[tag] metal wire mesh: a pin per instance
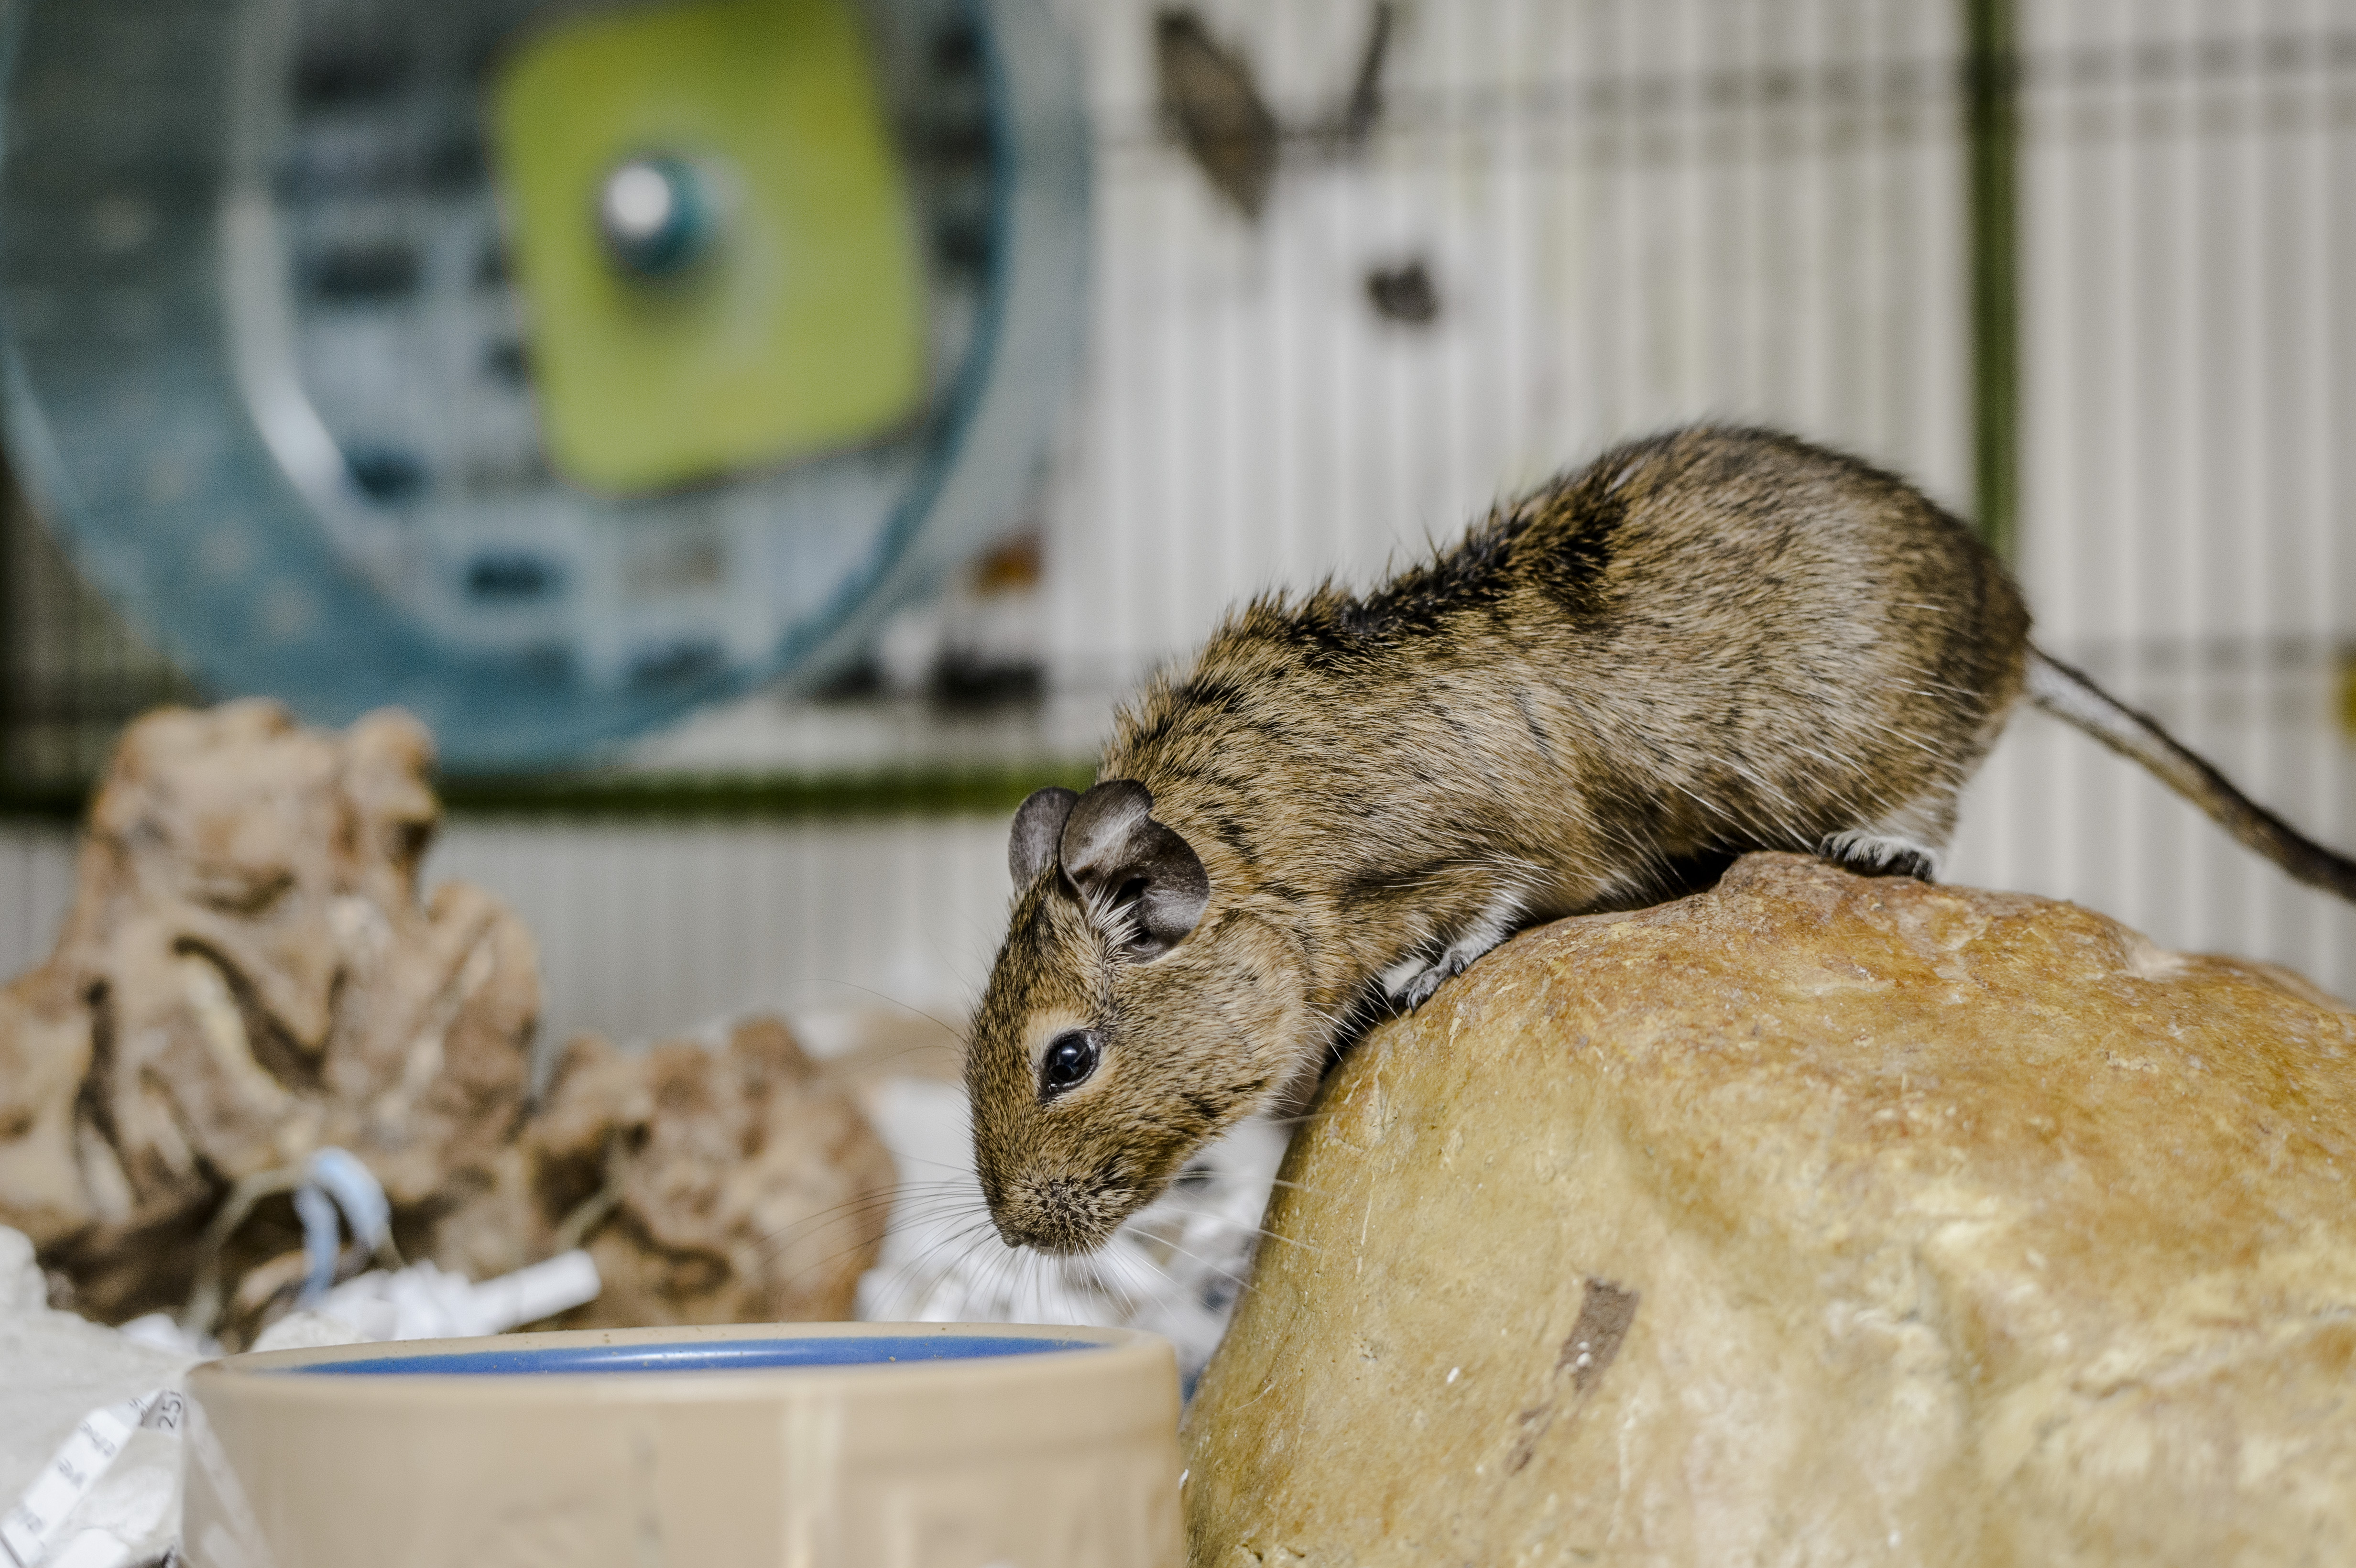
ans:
(71, 671)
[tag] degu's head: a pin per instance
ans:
(1134, 1014)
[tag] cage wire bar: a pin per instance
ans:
(1991, 88)
(2086, 268)
(2188, 322)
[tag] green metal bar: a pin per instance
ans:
(11, 655)
(1992, 140)
(900, 792)
(674, 797)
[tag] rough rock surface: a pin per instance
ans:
(247, 975)
(737, 1186)
(1813, 1219)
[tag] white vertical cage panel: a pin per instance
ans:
(1633, 215)
(2189, 352)
(37, 878)
(647, 930)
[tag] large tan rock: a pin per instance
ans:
(1817, 1219)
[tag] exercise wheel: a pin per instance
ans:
(545, 367)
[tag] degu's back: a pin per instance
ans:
(1707, 642)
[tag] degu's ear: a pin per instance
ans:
(1120, 859)
(1038, 823)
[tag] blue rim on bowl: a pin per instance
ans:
(731, 1355)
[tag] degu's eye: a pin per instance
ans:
(1071, 1056)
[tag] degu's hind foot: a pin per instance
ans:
(1908, 842)
(1871, 853)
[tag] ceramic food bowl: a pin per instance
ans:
(796, 1446)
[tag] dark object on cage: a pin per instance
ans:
(340, 393)
(1365, 104)
(1214, 106)
(1404, 293)
(1211, 102)
(965, 682)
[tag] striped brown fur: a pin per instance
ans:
(1702, 643)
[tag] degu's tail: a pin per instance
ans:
(2067, 694)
